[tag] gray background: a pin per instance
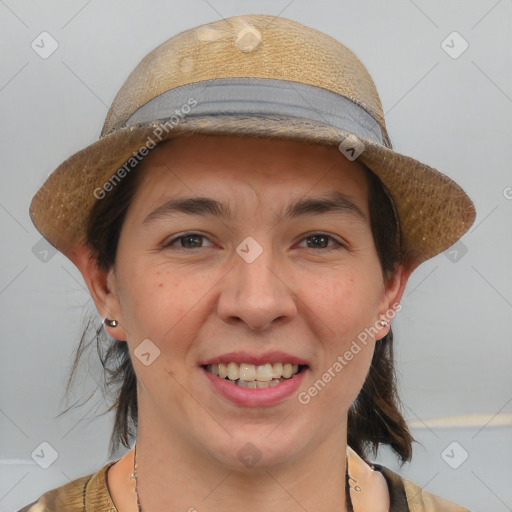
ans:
(453, 334)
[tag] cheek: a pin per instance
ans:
(152, 302)
(345, 300)
(338, 383)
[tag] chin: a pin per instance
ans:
(258, 448)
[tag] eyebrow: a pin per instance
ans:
(334, 202)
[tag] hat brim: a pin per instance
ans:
(433, 211)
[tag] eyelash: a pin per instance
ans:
(337, 245)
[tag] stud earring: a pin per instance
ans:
(110, 323)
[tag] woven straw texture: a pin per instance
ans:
(434, 212)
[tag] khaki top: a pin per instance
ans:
(90, 494)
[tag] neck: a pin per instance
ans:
(172, 475)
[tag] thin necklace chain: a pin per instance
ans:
(139, 508)
(134, 476)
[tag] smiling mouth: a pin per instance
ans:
(255, 377)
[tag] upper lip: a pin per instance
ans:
(256, 359)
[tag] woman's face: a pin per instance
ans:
(237, 254)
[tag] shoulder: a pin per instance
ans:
(421, 500)
(87, 493)
(410, 497)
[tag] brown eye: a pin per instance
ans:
(321, 241)
(188, 241)
(191, 241)
(318, 241)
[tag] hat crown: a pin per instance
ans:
(249, 46)
(256, 76)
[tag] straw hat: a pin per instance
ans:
(252, 75)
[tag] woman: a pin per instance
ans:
(247, 232)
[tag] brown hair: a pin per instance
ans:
(373, 419)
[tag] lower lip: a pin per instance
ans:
(263, 397)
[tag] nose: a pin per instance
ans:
(257, 294)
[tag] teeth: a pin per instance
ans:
(254, 384)
(277, 370)
(248, 373)
(233, 371)
(265, 373)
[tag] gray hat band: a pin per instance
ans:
(260, 96)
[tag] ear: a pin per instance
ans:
(389, 304)
(102, 287)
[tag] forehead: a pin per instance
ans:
(271, 168)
